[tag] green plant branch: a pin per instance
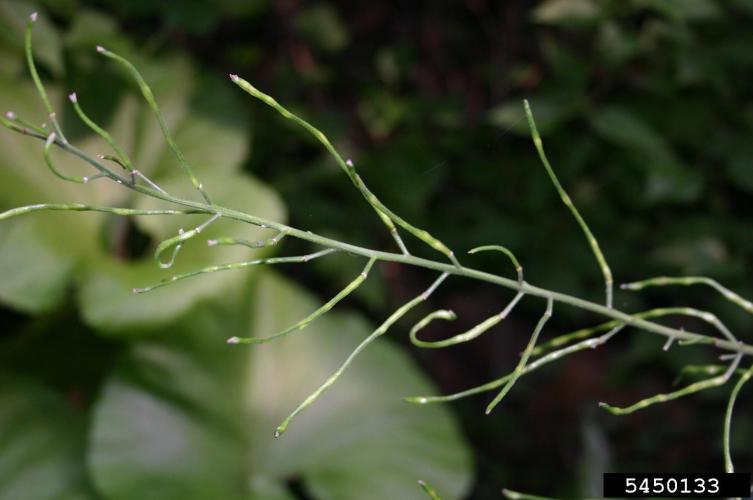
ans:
(573, 342)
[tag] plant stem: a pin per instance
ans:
(412, 260)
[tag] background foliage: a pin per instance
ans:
(646, 114)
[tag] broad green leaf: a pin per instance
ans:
(35, 264)
(190, 417)
(42, 441)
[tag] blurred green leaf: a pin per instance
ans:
(551, 110)
(666, 178)
(740, 169)
(47, 46)
(35, 267)
(42, 441)
(192, 417)
(321, 26)
(566, 12)
(684, 10)
(381, 113)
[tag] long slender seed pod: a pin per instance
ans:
(251, 244)
(176, 242)
(523, 359)
(314, 315)
(120, 154)
(593, 243)
(689, 281)
(35, 77)
(506, 251)
(516, 495)
(651, 313)
(430, 492)
(707, 370)
(381, 330)
(468, 335)
(17, 124)
(424, 322)
(592, 343)
(48, 160)
(146, 91)
(685, 391)
(78, 207)
(236, 265)
(728, 465)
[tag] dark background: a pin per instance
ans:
(646, 111)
